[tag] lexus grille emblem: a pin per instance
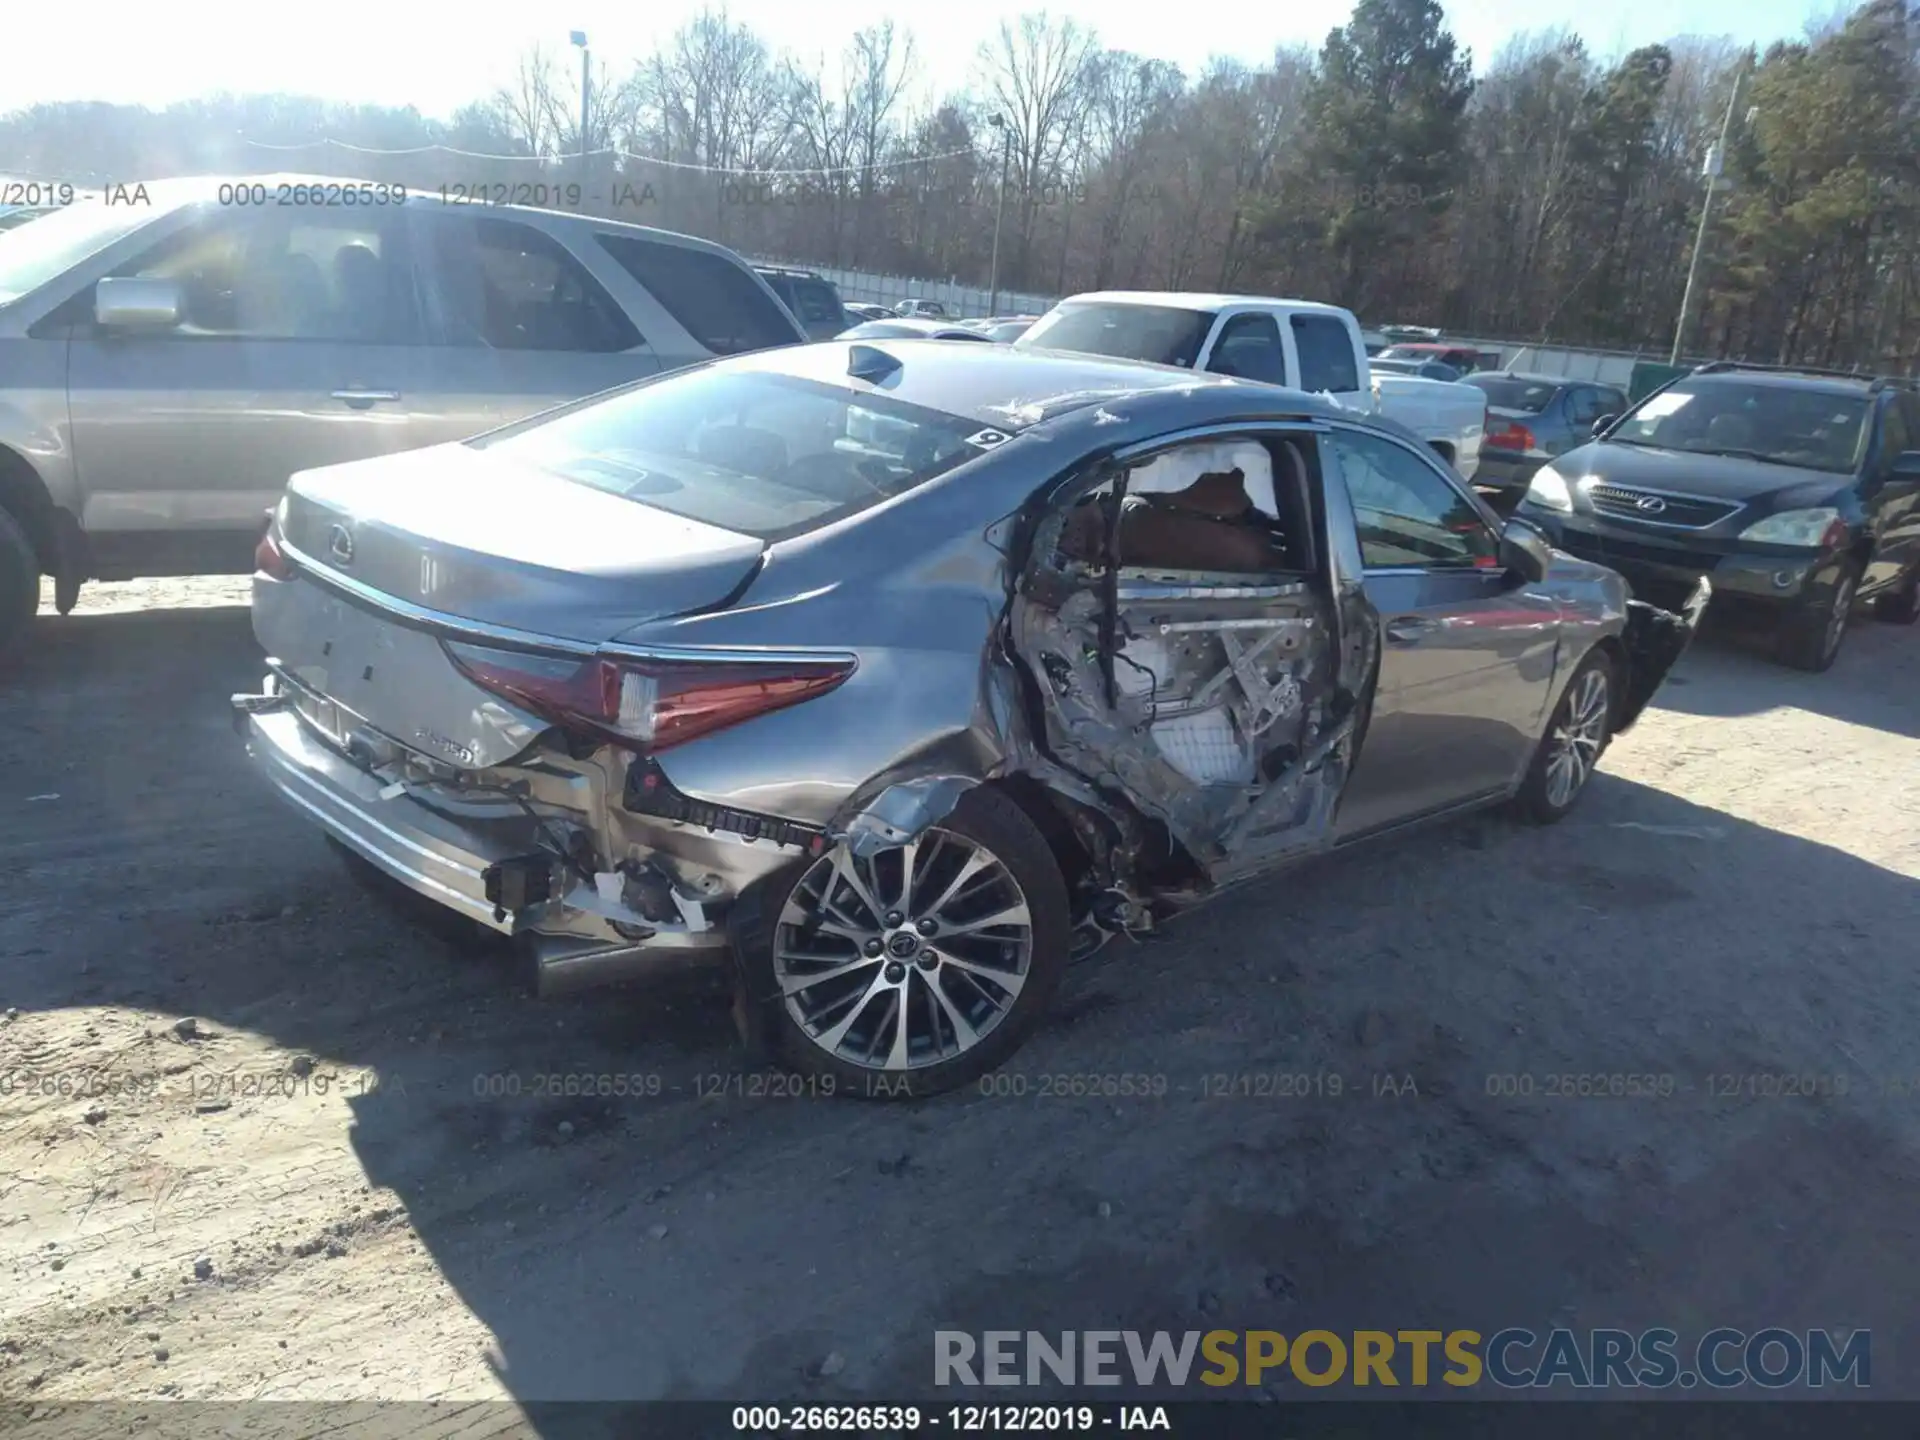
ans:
(340, 543)
(1650, 504)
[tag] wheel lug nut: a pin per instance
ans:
(929, 960)
(895, 919)
(873, 948)
(926, 927)
(896, 972)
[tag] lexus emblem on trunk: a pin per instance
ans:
(340, 543)
(1650, 504)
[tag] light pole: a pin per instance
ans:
(999, 122)
(579, 37)
(1716, 158)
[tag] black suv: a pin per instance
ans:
(1795, 490)
(812, 299)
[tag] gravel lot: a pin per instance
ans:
(294, 1186)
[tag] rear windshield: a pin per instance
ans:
(1530, 397)
(1160, 334)
(1808, 429)
(763, 455)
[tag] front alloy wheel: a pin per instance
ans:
(1814, 643)
(1576, 738)
(1574, 743)
(923, 966)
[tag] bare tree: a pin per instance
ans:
(529, 106)
(1127, 93)
(880, 65)
(1036, 72)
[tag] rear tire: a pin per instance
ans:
(19, 584)
(1575, 739)
(1814, 633)
(936, 998)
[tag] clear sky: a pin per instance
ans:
(438, 56)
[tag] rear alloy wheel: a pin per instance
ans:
(1569, 752)
(1812, 638)
(924, 967)
(19, 583)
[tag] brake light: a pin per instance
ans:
(269, 559)
(647, 705)
(1509, 436)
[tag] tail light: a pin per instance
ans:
(1509, 436)
(269, 559)
(646, 705)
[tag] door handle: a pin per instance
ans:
(1410, 629)
(360, 398)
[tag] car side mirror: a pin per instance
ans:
(1601, 424)
(1525, 551)
(1906, 466)
(126, 302)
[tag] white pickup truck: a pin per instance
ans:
(1298, 343)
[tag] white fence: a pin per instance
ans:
(1607, 367)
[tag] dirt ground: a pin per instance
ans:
(252, 1145)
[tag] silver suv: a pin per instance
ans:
(171, 353)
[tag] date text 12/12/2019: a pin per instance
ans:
(955, 1419)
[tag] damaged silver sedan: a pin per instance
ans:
(896, 674)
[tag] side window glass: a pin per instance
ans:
(292, 275)
(814, 302)
(1249, 346)
(713, 298)
(1896, 438)
(1407, 514)
(509, 286)
(1583, 405)
(1910, 407)
(1326, 355)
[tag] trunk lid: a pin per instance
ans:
(474, 536)
(469, 537)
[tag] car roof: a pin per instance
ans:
(1196, 300)
(1012, 389)
(1783, 380)
(190, 189)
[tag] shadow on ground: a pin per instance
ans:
(698, 1238)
